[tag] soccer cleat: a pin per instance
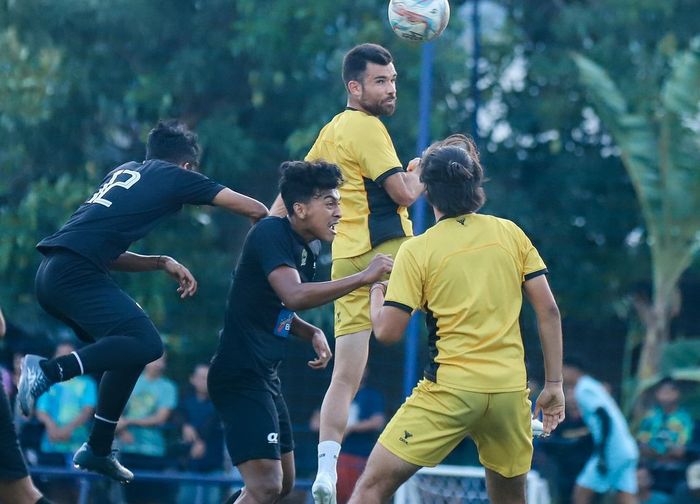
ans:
(538, 429)
(323, 490)
(107, 465)
(32, 383)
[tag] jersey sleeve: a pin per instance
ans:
(272, 246)
(194, 188)
(375, 152)
(532, 263)
(405, 289)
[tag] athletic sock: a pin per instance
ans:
(102, 436)
(328, 452)
(62, 368)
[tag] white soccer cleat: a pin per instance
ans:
(538, 429)
(323, 490)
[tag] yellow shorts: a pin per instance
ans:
(352, 310)
(435, 419)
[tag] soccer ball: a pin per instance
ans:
(418, 20)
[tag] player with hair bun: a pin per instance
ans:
(467, 273)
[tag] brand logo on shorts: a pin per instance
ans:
(273, 438)
(405, 437)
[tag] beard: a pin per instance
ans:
(379, 108)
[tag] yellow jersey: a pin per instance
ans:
(361, 147)
(467, 273)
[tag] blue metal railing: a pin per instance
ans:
(167, 476)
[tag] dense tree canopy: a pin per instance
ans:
(82, 81)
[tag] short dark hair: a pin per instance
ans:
(666, 380)
(355, 60)
(452, 174)
(172, 141)
(302, 180)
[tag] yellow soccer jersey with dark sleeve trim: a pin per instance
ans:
(361, 146)
(467, 273)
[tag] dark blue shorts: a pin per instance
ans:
(256, 422)
(12, 465)
(83, 296)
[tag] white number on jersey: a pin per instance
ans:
(98, 197)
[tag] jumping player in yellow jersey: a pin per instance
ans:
(467, 273)
(374, 198)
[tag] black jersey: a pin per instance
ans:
(257, 324)
(131, 201)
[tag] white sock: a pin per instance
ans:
(328, 458)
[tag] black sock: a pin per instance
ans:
(61, 368)
(233, 498)
(101, 437)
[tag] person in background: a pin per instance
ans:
(646, 494)
(65, 411)
(16, 486)
(203, 433)
(141, 431)
(688, 491)
(612, 466)
(663, 435)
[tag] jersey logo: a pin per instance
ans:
(303, 257)
(461, 220)
(99, 196)
(273, 438)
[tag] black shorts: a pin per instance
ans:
(12, 465)
(256, 423)
(86, 298)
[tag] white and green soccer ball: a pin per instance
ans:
(418, 20)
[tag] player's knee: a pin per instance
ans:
(266, 490)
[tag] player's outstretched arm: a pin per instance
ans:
(240, 204)
(309, 332)
(551, 400)
(404, 188)
(296, 295)
(132, 262)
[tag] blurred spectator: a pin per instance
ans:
(688, 492)
(567, 450)
(645, 482)
(664, 434)
(366, 419)
(65, 411)
(203, 435)
(612, 467)
(141, 432)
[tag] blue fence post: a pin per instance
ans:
(419, 207)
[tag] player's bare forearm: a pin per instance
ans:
(132, 262)
(404, 188)
(240, 204)
(278, 209)
(296, 295)
(302, 329)
(388, 322)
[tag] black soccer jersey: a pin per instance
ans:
(131, 201)
(257, 324)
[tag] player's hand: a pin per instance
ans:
(414, 166)
(550, 403)
(323, 351)
(187, 282)
(379, 266)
